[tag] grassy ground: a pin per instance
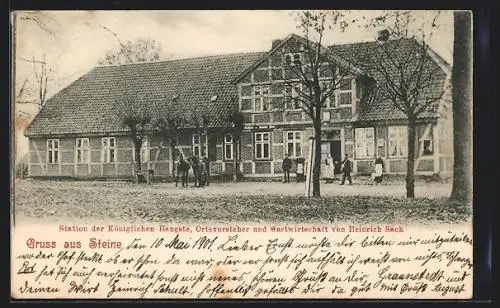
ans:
(230, 202)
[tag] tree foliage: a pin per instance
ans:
(136, 51)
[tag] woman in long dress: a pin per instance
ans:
(330, 169)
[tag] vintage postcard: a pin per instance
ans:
(242, 154)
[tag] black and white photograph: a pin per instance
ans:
(354, 120)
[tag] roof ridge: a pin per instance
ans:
(366, 42)
(184, 59)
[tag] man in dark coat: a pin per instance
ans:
(346, 170)
(206, 162)
(286, 166)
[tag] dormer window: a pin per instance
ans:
(292, 59)
(213, 98)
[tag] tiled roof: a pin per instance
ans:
(88, 104)
(361, 54)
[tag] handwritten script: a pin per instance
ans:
(111, 261)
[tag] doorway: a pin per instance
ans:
(336, 150)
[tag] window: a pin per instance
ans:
(82, 150)
(228, 147)
(261, 99)
(428, 148)
(297, 59)
(199, 149)
(365, 142)
(326, 116)
(108, 149)
(262, 146)
(53, 151)
(345, 92)
(294, 143)
(291, 94)
(330, 100)
(292, 59)
(398, 145)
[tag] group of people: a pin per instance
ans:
(200, 167)
(333, 168)
(201, 170)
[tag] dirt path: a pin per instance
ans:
(424, 190)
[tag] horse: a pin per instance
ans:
(182, 171)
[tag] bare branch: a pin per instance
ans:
(124, 49)
(41, 20)
(21, 89)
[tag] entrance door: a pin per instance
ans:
(336, 150)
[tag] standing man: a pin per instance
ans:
(207, 168)
(286, 165)
(346, 170)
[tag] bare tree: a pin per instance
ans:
(235, 129)
(137, 118)
(406, 74)
(201, 122)
(139, 50)
(22, 89)
(42, 75)
(170, 125)
(462, 107)
(309, 81)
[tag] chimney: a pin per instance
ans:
(275, 43)
(383, 36)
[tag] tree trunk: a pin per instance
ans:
(137, 149)
(235, 160)
(137, 154)
(317, 157)
(172, 159)
(462, 108)
(410, 164)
